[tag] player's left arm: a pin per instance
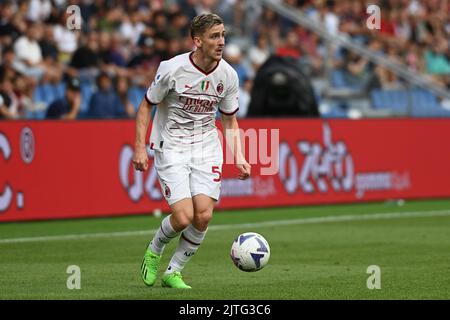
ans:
(228, 107)
(231, 131)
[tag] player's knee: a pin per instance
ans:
(202, 218)
(183, 218)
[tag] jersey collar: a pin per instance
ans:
(200, 69)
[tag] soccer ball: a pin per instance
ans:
(250, 252)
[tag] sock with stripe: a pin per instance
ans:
(190, 240)
(163, 236)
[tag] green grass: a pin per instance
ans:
(308, 261)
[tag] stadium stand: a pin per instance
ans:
(401, 69)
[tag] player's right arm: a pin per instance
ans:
(154, 95)
(140, 158)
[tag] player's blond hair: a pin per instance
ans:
(203, 22)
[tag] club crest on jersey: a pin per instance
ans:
(219, 88)
(167, 192)
(205, 85)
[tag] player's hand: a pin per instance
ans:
(244, 170)
(140, 159)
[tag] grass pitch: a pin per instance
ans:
(320, 252)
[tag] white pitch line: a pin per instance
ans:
(274, 223)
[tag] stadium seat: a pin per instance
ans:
(60, 89)
(135, 95)
(396, 100)
(38, 94)
(338, 79)
(86, 92)
(332, 111)
(414, 102)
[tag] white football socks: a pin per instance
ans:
(190, 240)
(163, 236)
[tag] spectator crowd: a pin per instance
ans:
(102, 69)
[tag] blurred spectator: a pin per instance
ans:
(50, 55)
(23, 90)
(437, 60)
(105, 103)
(67, 107)
(179, 24)
(174, 47)
(388, 79)
(269, 24)
(358, 71)
(413, 57)
(7, 67)
(28, 53)
(8, 30)
(290, 47)
(233, 55)
(66, 40)
(188, 8)
(159, 23)
(48, 45)
(311, 49)
(144, 64)
(39, 10)
(132, 28)
(110, 55)
(122, 87)
(204, 6)
(244, 98)
(86, 60)
(259, 53)
(325, 13)
(9, 106)
(161, 45)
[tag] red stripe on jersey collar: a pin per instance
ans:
(200, 69)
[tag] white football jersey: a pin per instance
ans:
(188, 99)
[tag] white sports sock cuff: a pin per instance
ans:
(167, 228)
(193, 235)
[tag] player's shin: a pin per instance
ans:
(190, 240)
(163, 236)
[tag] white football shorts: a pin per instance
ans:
(184, 173)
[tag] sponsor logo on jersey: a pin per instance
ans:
(198, 105)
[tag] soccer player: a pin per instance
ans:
(188, 90)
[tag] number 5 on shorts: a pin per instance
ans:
(215, 169)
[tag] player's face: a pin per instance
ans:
(213, 42)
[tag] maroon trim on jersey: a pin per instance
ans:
(148, 100)
(199, 94)
(200, 69)
(181, 116)
(229, 113)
